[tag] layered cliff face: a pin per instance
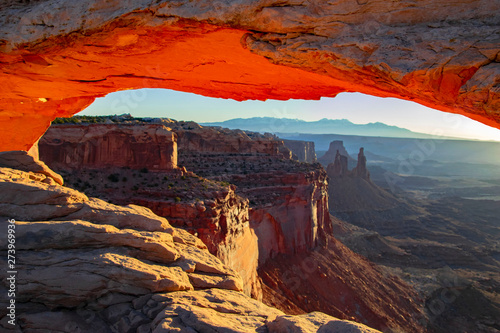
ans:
(441, 54)
(290, 210)
(84, 265)
(96, 146)
(219, 217)
(302, 151)
(106, 156)
(288, 199)
(195, 138)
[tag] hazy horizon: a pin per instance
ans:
(355, 107)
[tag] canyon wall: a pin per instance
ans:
(129, 163)
(84, 265)
(220, 220)
(292, 215)
(58, 56)
(288, 199)
(285, 196)
(275, 215)
(303, 151)
(193, 137)
(109, 145)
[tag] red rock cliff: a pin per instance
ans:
(58, 56)
(288, 199)
(98, 146)
(293, 214)
(104, 154)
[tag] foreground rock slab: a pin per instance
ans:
(85, 265)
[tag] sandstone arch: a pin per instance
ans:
(58, 56)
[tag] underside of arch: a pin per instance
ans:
(58, 56)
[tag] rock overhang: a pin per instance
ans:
(58, 56)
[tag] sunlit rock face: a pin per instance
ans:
(57, 56)
(102, 146)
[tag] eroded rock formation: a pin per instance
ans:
(353, 190)
(336, 147)
(86, 265)
(97, 146)
(104, 156)
(339, 167)
(302, 151)
(288, 199)
(57, 56)
(360, 170)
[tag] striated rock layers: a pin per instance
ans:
(84, 265)
(288, 199)
(290, 209)
(302, 151)
(220, 218)
(58, 56)
(193, 137)
(98, 146)
(215, 214)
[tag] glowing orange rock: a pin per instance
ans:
(56, 60)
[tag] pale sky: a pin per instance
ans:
(356, 107)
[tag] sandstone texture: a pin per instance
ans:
(22, 160)
(211, 211)
(85, 265)
(58, 56)
(110, 145)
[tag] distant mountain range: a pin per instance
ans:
(323, 126)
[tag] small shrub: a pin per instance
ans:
(177, 199)
(144, 170)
